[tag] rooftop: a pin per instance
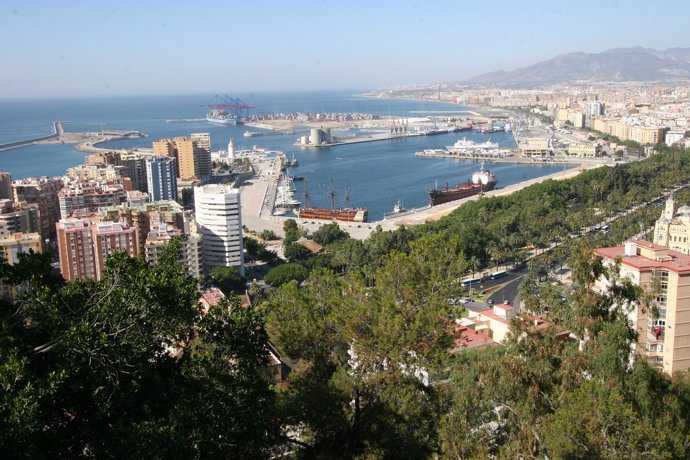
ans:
(666, 259)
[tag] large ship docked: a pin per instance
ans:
(221, 117)
(482, 181)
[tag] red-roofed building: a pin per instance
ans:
(664, 339)
(467, 338)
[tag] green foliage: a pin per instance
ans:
(329, 233)
(285, 273)
(268, 235)
(359, 343)
(93, 368)
(296, 252)
(228, 280)
(258, 250)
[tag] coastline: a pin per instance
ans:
(257, 204)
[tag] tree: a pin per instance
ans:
(93, 368)
(228, 280)
(296, 252)
(285, 273)
(329, 233)
(268, 235)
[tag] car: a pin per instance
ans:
(490, 301)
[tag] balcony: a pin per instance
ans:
(656, 334)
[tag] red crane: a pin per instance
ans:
(232, 105)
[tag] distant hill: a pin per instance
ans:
(620, 64)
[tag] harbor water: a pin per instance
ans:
(377, 173)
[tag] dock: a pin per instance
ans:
(360, 139)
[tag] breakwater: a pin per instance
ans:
(57, 132)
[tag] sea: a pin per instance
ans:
(376, 174)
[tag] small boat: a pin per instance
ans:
(398, 211)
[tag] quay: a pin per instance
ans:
(58, 131)
(259, 192)
(360, 139)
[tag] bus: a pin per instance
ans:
(499, 274)
(470, 282)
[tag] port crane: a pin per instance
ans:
(231, 105)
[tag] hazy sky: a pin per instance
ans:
(66, 48)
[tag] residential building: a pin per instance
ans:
(672, 229)
(82, 196)
(146, 217)
(161, 178)
(202, 155)
(5, 186)
(191, 249)
(664, 330)
(84, 245)
(43, 193)
(10, 248)
(18, 219)
(134, 166)
(219, 221)
(671, 138)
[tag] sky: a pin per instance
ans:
(124, 47)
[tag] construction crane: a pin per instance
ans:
(231, 105)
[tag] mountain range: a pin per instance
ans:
(617, 65)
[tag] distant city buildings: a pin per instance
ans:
(218, 217)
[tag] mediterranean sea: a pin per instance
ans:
(377, 173)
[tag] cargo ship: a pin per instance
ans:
(221, 117)
(482, 181)
(343, 214)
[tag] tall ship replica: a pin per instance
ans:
(482, 181)
(227, 111)
(345, 214)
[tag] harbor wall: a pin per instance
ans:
(57, 132)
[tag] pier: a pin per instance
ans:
(57, 132)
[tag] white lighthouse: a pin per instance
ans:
(231, 151)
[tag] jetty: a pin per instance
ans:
(57, 132)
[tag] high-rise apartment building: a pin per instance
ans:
(191, 249)
(81, 197)
(5, 186)
(85, 244)
(202, 155)
(193, 155)
(161, 178)
(18, 219)
(219, 221)
(664, 330)
(42, 192)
